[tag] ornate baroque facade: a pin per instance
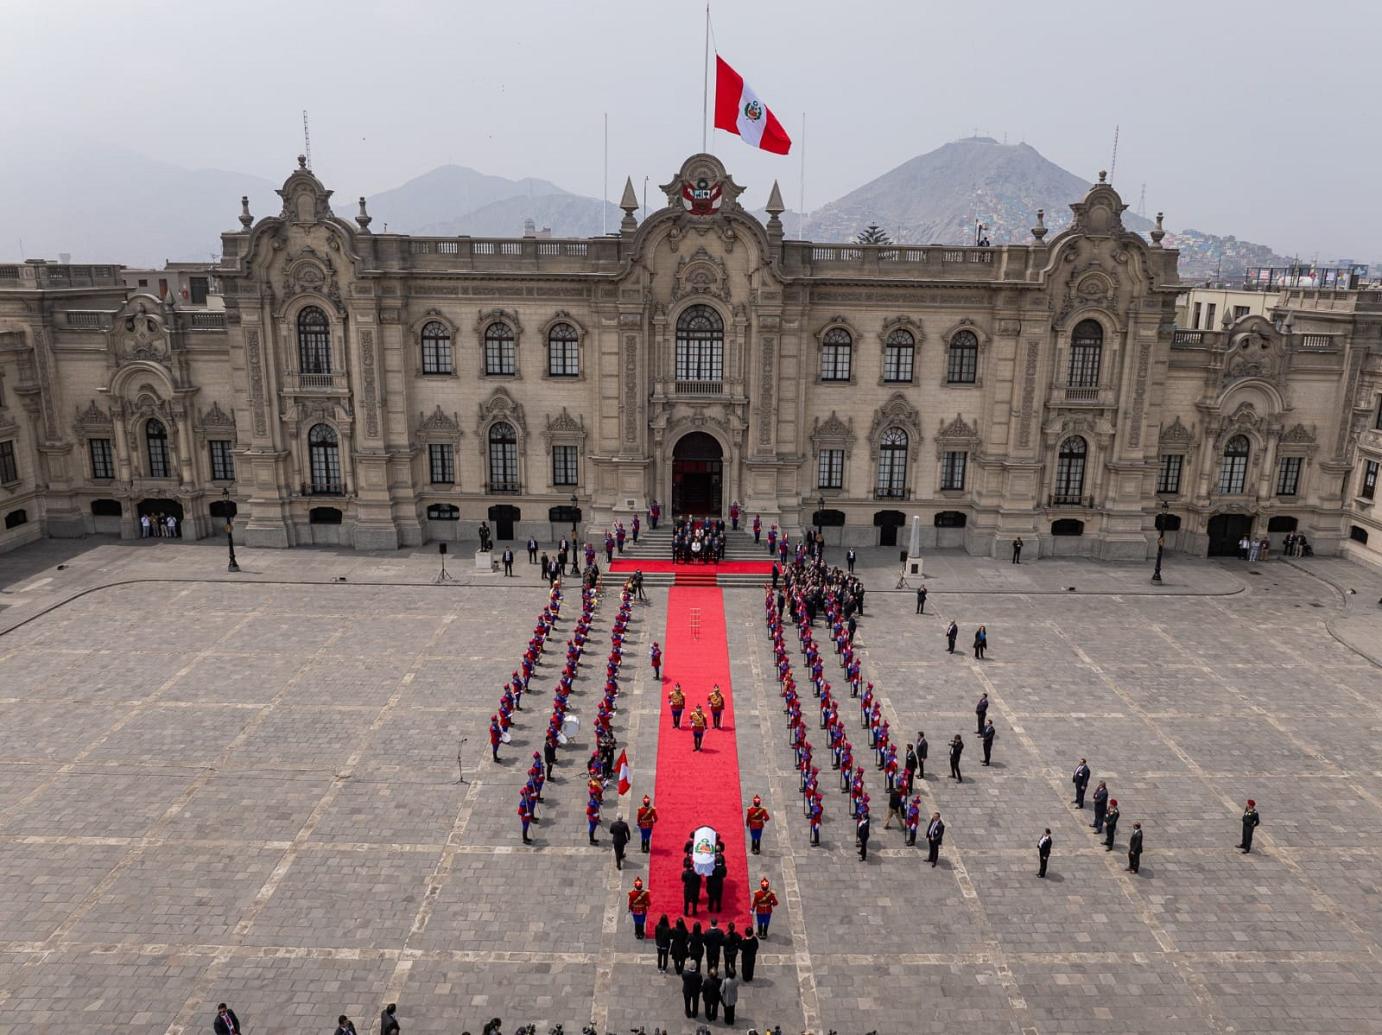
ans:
(382, 390)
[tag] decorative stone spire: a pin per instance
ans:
(1158, 233)
(1039, 231)
(629, 203)
(1103, 176)
(775, 208)
(246, 220)
(364, 218)
(302, 162)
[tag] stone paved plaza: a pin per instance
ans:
(248, 791)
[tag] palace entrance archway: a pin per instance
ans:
(697, 476)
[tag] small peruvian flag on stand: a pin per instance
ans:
(738, 110)
(625, 775)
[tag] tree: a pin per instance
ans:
(873, 234)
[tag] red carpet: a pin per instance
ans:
(696, 788)
(724, 568)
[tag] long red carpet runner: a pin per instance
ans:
(696, 789)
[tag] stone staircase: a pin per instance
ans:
(656, 545)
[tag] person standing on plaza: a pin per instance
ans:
(619, 836)
(647, 818)
(922, 748)
(849, 559)
(691, 989)
(507, 557)
(676, 700)
(662, 940)
(532, 550)
(1044, 851)
(981, 642)
(496, 734)
(861, 832)
(714, 944)
(957, 747)
(1100, 807)
(388, 1020)
(952, 632)
(921, 600)
(678, 950)
(895, 802)
(655, 660)
(344, 1026)
(715, 882)
(690, 890)
(733, 941)
(639, 901)
(695, 945)
(729, 995)
(1110, 823)
(225, 1022)
(935, 836)
(980, 710)
(1135, 848)
(1081, 781)
(1017, 550)
(755, 819)
(697, 727)
(716, 700)
(710, 993)
(764, 902)
(1251, 821)
(990, 735)
(748, 952)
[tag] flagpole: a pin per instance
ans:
(705, 80)
(604, 185)
(801, 210)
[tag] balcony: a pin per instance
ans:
(701, 388)
(316, 384)
(323, 489)
(1060, 499)
(891, 492)
(503, 488)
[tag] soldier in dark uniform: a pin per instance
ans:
(1251, 820)
(715, 882)
(690, 890)
(1135, 848)
(1044, 851)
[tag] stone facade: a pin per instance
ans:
(383, 390)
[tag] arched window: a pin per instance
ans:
(1086, 352)
(501, 354)
(1070, 461)
(436, 348)
(962, 359)
(1233, 468)
(700, 345)
(898, 353)
(156, 439)
(892, 464)
(324, 456)
(836, 349)
(314, 341)
(563, 351)
(503, 458)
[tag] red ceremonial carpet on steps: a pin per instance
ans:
(696, 789)
(724, 568)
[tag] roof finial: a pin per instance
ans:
(1103, 176)
(1039, 231)
(246, 220)
(775, 207)
(364, 218)
(1158, 233)
(302, 161)
(629, 203)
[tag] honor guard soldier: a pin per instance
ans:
(1251, 820)
(755, 819)
(495, 734)
(913, 819)
(525, 816)
(817, 812)
(1044, 851)
(592, 819)
(717, 705)
(655, 658)
(640, 899)
(677, 700)
(697, 727)
(647, 816)
(763, 903)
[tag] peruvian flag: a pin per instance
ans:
(625, 775)
(739, 110)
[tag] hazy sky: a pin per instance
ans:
(1244, 118)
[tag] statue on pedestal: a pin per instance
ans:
(486, 544)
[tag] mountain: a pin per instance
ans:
(566, 215)
(447, 193)
(110, 205)
(1209, 255)
(936, 197)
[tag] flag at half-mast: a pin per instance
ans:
(739, 110)
(625, 773)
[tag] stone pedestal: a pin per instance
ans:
(484, 560)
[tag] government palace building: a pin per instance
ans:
(326, 383)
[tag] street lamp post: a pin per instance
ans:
(230, 531)
(820, 506)
(574, 504)
(1160, 540)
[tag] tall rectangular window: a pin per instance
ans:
(102, 459)
(836, 347)
(200, 288)
(441, 460)
(830, 473)
(1369, 485)
(1209, 315)
(953, 470)
(222, 463)
(1168, 480)
(9, 466)
(1239, 311)
(1195, 318)
(564, 459)
(1288, 476)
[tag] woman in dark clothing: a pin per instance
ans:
(695, 945)
(691, 990)
(679, 937)
(732, 943)
(662, 937)
(748, 951)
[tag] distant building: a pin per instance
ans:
(383, 390)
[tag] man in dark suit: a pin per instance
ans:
(861, 830)
(1081, 781)
(1135, 848)
(1044, 851)
(344, 1025)
(957, 747)
(508, 561)
(921, 600)
(980, 710)
(952, 631)
(935, 834)
(226, 1023)
(921, 754)
(990, 735)
(388, 1020)
(1100, 807)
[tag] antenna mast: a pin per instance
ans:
(306, 139)
(1114, 163)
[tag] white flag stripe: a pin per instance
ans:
(751, 129)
